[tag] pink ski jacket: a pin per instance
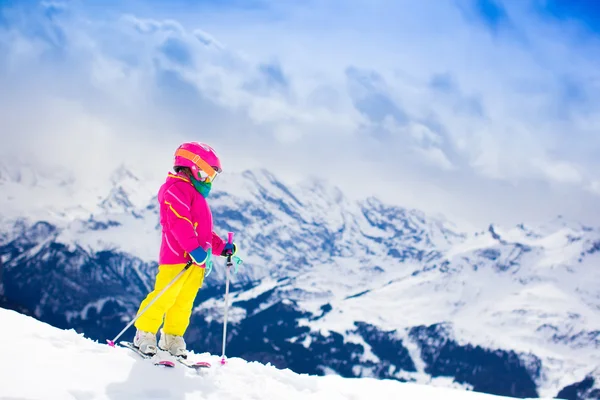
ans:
(186, 221)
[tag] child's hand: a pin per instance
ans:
(229, 250)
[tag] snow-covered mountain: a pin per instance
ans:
(328, 285)
(63, 364)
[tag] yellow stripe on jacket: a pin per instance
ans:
(178, 215)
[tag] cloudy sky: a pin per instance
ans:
(483, 110)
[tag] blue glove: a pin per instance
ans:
(199, 255)
(229, 250)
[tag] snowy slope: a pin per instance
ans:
(47, 363)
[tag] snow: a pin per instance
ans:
(43, 362)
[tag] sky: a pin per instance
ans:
(485, 111)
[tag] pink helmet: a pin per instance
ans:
(200, 158)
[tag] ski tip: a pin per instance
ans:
(110, 343)
(194, 364)
(166, 363)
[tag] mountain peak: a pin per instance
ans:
(123, 174)
(260, 176)
(129, 193)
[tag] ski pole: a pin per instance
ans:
(229, 264)
(111, 343)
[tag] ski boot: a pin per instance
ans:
(173, 344)
(145, 342)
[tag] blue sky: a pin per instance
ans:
(484, 110)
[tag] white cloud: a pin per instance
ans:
(362, 87)
(424, 135)
(594, 187)
(559, 171)
(435, 156)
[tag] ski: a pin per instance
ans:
(197, 365)
(193, 364)
(157, 361)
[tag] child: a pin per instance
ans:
(187, 234)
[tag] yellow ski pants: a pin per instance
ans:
(174, 307)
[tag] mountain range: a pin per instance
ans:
(329, 285)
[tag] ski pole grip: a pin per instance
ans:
(230, 237)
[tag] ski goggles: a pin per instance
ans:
(206, 173)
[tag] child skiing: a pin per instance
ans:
(187, 235)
